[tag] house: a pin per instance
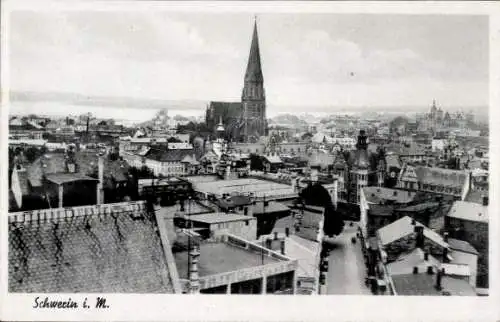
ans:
(69, 179)
(163, 161)
(424, 284)
(469, 221)
(306, 252)
(454, 183)
(406, 234)
(272, 162)
(463, 253)
(213, 225)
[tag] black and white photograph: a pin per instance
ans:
(237, 152)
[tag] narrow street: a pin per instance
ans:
(346, 271)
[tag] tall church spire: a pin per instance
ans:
(254, 70)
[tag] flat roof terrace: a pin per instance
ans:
(259, 188)
(216, 258)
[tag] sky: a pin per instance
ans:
(308, 60)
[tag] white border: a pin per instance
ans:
(290, 308)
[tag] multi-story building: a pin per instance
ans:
(443, 181)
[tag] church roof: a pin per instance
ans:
(254, 70)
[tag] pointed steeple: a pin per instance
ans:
(254, 70)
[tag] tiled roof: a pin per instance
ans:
(420, 207)
(403, 227)
(168, 155)
(469, 211)
(110, 253)
(461, 246)
(415, 258)
(424, 284)
(440, 176)
(377, 194)
(61, 178)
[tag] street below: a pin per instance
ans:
(346, 272)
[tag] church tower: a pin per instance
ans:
(253, 96)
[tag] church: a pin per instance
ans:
(243, 121)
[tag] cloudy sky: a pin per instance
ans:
(308, 59)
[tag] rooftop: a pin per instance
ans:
(217, 258)
(461, 246)
(405, 263)
(440, 176)
(424, 284)
(108, 252)
(259, 188)
(378, 194)
(219, 217)
(403, 227)
(469, 211)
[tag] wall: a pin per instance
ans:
(470, 260)
(244, 229)
(476, 233)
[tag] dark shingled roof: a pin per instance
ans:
(424, 284)
(462, 246)
(89, 254)
(164, 155)
(441, 177)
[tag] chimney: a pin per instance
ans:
(485, 200)
(194, 283)
(439, 278)
(445, 236)
(287, 231)
(275, 235)
(430, 270)
(415, 270)
(419, 230)
(269, 243)
(282, 246)
(100, 171)
(445, 255)
(426, 256)
(414, 222)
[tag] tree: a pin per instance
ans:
(256, 162)
(316, 195)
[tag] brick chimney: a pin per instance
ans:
(194, 282)
(439, 277)
(419, 230)
(445, 255)
(485, 200)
